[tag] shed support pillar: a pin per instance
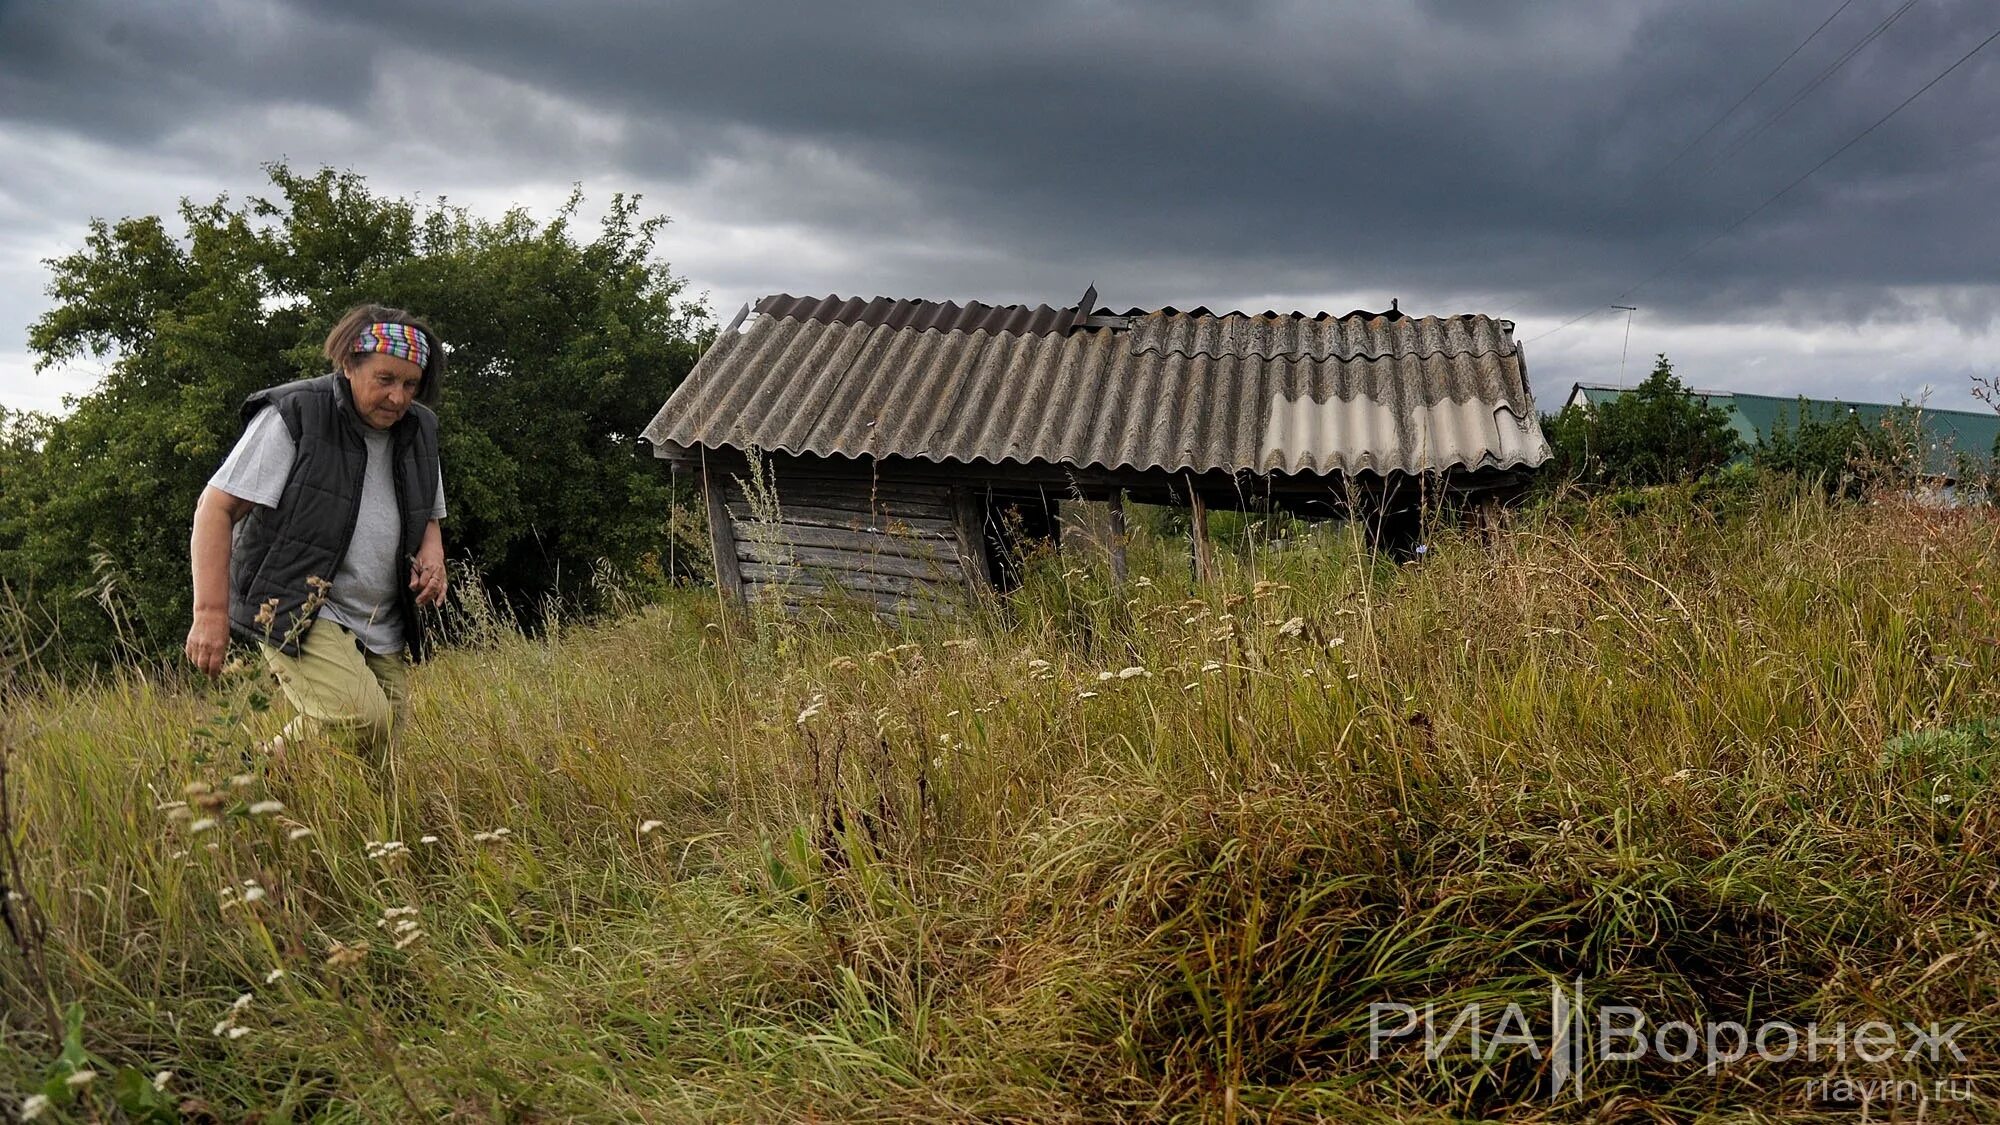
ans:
(1204, 552)
(968, 524)
(722, 540)
(1115, 510)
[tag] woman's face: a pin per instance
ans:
(383, 386)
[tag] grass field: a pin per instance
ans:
(1148, 855)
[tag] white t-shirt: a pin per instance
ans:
(364, 594)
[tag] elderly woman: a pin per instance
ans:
(318, 537)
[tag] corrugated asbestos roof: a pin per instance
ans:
(1141, 390)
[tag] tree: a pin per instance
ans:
(1656, 433)
(561, 350)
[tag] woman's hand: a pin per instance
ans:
(427, 569)
(208, 641)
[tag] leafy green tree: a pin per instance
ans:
(1656, 433)
(561, 351)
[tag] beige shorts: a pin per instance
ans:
(340, 690)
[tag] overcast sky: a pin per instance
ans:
(1524, 159)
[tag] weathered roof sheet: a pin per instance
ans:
(1158, 390)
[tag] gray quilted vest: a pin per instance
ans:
(306, 535)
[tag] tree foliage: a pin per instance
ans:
(1656, 433)
(561, 350)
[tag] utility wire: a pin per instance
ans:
(1781, 192)
(1805, 91)
(1747, 95)
(1752, 91)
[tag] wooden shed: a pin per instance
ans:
(900, 450)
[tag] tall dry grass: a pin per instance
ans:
(1103, 855)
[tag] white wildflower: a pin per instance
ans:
(1039, 664)
(242, 1002)
(79, 1079)
(254, 894)
(649, 827)
(409, 939)
(427, 840)
(33, 1106)
(274, 976)
(243, 781)
(238, 1032)
(1941, 799)
(398, 911)
(405, 925)
(161, 1079)
(202, 825)
(1211, 666)
(298, 833)
(1103, 676)
(812, 708)
(266, 808)
(1133, 672)
(1292, 627)
(1142, 583)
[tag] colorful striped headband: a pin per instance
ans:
(399, 340)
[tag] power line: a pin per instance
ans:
(1781, 192)
(1761, 83)
(1805, 91)
(1747, 95)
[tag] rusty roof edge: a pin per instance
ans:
(1484, 461)
(1503, 352)
(921, 316)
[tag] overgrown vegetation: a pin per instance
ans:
(1144, 854)
(1654, 434)
(562, 347)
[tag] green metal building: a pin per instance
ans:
(1946, 433)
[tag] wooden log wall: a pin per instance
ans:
(893, 545)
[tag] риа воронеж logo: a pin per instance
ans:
(1578, 1036)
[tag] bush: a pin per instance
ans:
(1656, 433)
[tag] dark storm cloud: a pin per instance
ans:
(1520, 157)
(1445, 146)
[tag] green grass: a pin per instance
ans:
(1720, 770)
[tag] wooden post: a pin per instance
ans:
(1115, 510)
(1204, 554)
(722, 540)
(969, 528)
(1489, 519)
